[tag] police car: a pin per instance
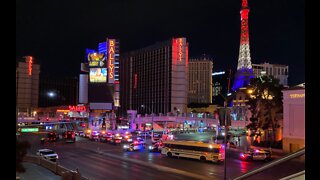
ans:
(136, 145)
(156, 146)
(256, 154)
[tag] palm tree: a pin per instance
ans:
(265, 102)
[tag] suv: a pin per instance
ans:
(52, 137)
(47, 154)
(69, 136)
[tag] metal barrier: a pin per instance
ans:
(271, 164)
(55, 167)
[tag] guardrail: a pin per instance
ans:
(271, 164)
(55, 167)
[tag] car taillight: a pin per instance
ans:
(69, 132)
(136, 142)
(242, 155)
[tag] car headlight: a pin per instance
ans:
(125, 146)
(150, 147)
(57, 157)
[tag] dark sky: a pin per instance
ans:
(57, 32)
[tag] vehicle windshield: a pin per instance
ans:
(47, 152)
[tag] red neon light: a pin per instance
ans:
(30, 66)
(111, 58)
(77, 108)
(180, 49)
(187, 55)
(244, 37)
(244, 3)
(135, 81)
(174, 51)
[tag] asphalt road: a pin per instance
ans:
(97, 160)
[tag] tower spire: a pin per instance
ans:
(244, 69)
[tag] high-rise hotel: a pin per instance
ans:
(155, 78)
(200, 80)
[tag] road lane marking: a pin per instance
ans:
(157, 167)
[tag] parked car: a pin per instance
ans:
(47, 154)
(256, 154)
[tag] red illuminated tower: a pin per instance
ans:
(244, 70)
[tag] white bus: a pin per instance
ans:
(194, 149)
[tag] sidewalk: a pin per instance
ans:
(36, 172)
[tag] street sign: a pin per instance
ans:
(29, 129)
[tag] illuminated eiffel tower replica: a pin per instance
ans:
(244, 70)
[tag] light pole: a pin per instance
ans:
(225, 139)
(226, 131)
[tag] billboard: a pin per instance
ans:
(96, 59)
(98, 75)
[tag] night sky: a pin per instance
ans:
(57, 32)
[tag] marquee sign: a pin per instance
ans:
(111, 56)
(77, 108)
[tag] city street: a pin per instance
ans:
(96, 160)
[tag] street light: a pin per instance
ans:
(226, 99)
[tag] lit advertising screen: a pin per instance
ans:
(96, 59)
(98, 75)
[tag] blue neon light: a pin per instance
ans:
(242, 78)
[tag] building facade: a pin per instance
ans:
(278, 71)
(294, 118)
(58, 91)
(220, 86)
(27, 86)
(99, 85)
(200, 81)
(155, 78)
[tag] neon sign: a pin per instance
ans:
(29, 129)
(30, 66)
(295, 96)
(77, 108)
(180, 49)
(111, 53)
